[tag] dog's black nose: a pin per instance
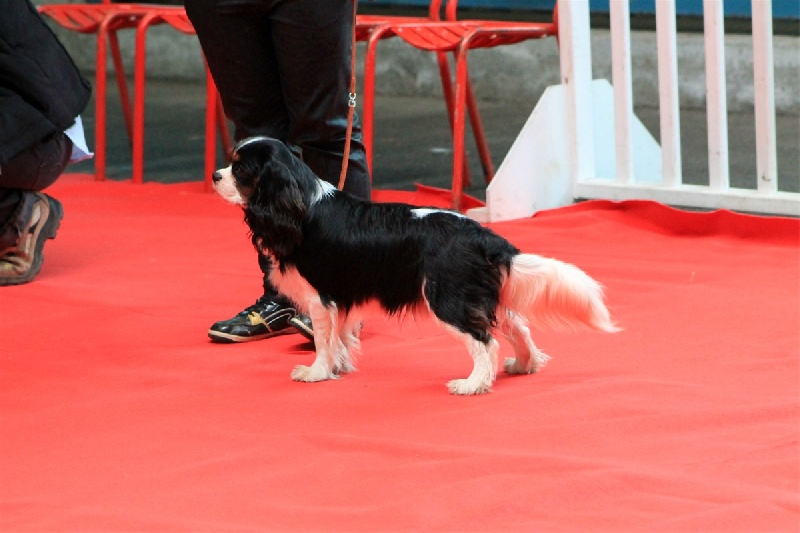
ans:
(216, 176)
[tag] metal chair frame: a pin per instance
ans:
(105, 20)
(457, 37)
(215, 116)
(373, 29)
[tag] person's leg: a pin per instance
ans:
(273, 81)
(313, 41)
(285, 72)
(238, 48)
(28, 217)
(39, 166)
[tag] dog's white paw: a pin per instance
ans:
(310, 374)
(343, 367)
(539, 359)
(465, 387)
(535, 363)
(510, 366)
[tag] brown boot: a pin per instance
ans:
(36, 220)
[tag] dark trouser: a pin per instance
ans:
(31, 170)
(283, 70)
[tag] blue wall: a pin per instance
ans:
(787, 9)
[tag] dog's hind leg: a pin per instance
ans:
(470, 320)
(484, 370)
(529, 358)
(327, 342)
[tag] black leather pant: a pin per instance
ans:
(283, 69)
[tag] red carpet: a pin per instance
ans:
(117, 413)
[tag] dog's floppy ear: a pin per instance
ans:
(276, 208)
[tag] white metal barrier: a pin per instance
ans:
(610, 155)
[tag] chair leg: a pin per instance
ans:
(368, 109)
(122, 83)
(447, 91)
(459, 120)
(479, 134)
(447, 84)
(140, 58)
(475, 122)
(100, 102)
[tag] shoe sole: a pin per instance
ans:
(49, 230)
(227, 338)
(304, 330)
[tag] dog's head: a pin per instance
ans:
(273, 187)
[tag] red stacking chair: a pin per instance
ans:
(457, 37)
(176, 18)
(382, 28)
(103, 19)
(366, 26)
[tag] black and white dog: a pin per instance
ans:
(333, 254)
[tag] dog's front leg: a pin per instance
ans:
(326, 340)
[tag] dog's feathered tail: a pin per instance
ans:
(556, 295)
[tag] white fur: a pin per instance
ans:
(422, 212)
(336, 333)
(249, 140)
(484, 365)
(553, 294)
(324, 189)
(529, 358)
(226, 187)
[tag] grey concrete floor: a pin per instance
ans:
(412, 140)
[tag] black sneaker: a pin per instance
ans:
(266, 318)
(303, 325)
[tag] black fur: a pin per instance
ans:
(352, 251)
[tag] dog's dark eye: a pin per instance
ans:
(244, 174)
